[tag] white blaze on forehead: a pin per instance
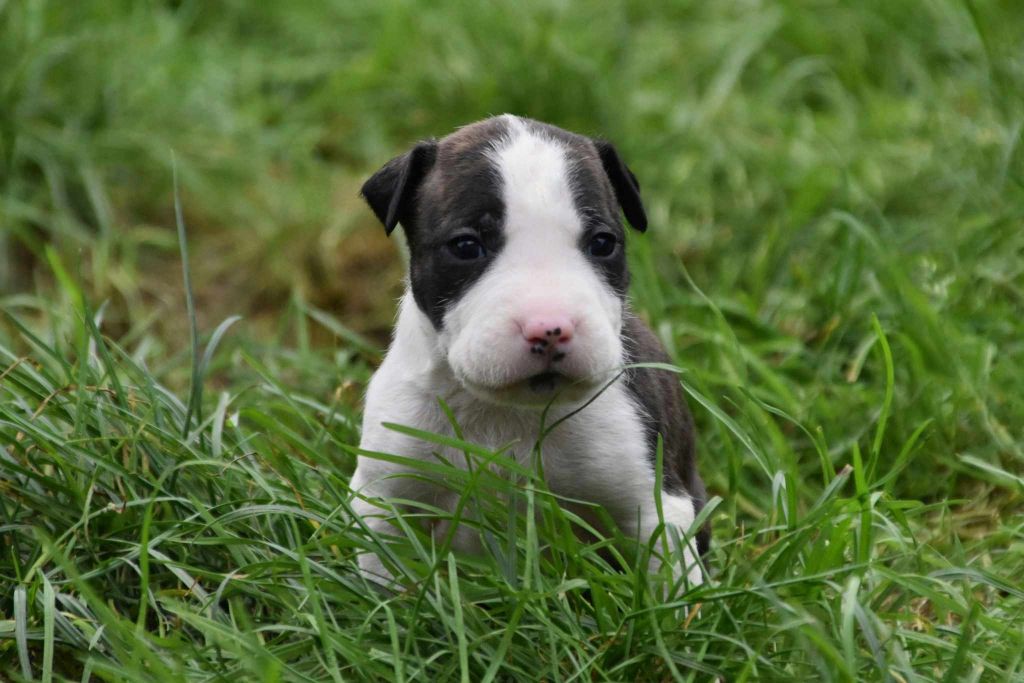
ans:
(534, 170)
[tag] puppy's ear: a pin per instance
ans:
(627, 189)
(391, 190)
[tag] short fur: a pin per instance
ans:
(659, 395)
(535, 199)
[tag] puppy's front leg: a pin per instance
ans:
(366, 506)
(678, 513)
(374, 485)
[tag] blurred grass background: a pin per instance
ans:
(806, 166)
(749, 123)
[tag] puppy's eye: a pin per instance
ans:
(602, 245)
(467, 248)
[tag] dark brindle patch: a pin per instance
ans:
(458, 193)
(659, 395)
(462, 194)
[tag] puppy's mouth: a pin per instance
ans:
(535, 390)
(546, 382)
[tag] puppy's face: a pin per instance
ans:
(517, 254)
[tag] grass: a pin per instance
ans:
(836, 265)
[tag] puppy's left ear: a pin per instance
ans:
(391, 191)
(627, 189)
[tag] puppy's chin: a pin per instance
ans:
(536, 391)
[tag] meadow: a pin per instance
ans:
(193, 297)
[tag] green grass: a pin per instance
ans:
(835, 263)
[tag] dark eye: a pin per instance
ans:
(467, 248)
(602, 245)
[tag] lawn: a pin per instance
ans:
(835, 263)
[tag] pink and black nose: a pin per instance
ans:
(549, 336)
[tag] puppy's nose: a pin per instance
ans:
(547, 334)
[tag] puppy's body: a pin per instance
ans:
(517, 300)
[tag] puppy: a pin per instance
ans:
(516, 300)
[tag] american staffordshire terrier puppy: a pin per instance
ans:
(516, 302)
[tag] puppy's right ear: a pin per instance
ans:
(625, 184)
(391, 190)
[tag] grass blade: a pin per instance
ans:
(195, 393)
(49, 610)
(21, 632)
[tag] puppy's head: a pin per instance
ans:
(517, 253)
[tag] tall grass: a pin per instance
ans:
(835, 265)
